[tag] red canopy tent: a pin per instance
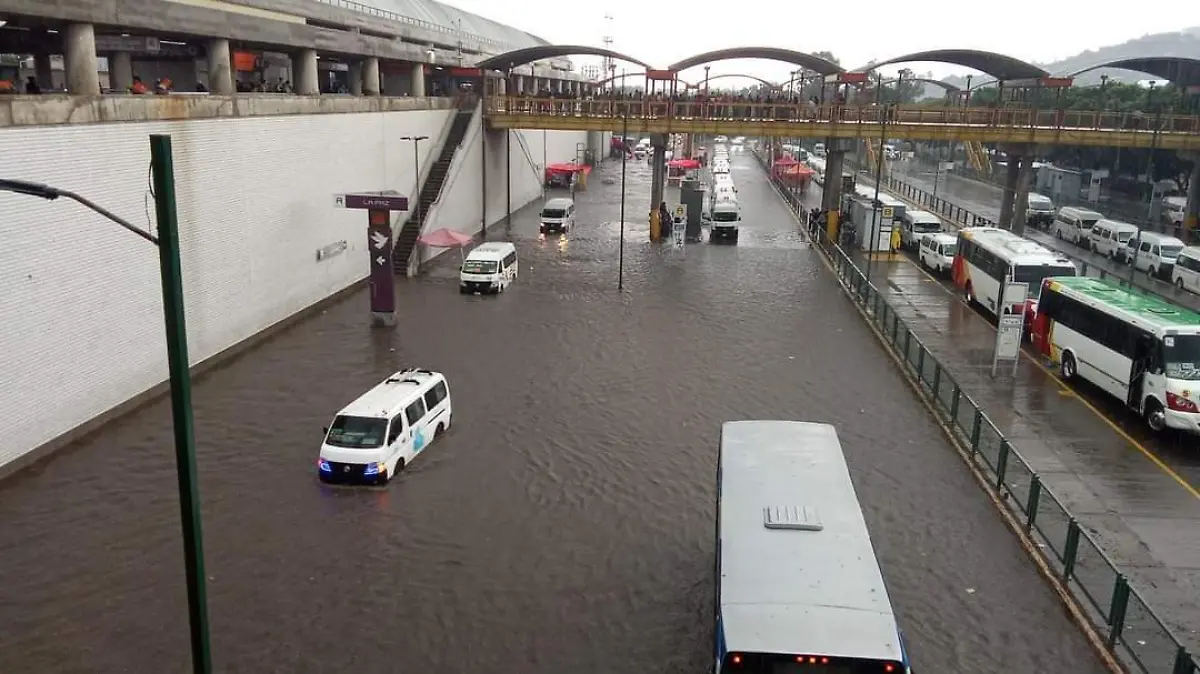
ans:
(560, 173)
(793, 173)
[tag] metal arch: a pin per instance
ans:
(809, 61)
(768, 83)
(614, 78)
(990, 63)
(1180, 70)
(946, 86)
(520, 57)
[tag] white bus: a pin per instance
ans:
(797, 585)
(989, 256)
(1134, 346)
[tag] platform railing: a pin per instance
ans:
(1128, 626)
(720, 111)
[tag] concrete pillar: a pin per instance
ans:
(370, 77)
(518, 84)
(79, 55)
(658, 172)
(220, 67)
(1021, 201)
(831, 195)
(304, 65)
(1191, 214)
(43, 71)
(1007, 200)
(120, 71)
(418, 79)
(355, 77)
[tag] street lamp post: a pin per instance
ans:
(876, 211)
(416, 141)
(169, 266)
(624, 155)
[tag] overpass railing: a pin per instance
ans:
(724, 111)
(1130, 628)
(411, 21)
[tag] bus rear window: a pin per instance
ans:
(1034, 275)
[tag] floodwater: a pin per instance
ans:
(563, 525)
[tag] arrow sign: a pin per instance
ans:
(380, 260)
(379, 239)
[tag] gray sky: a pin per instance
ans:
(661, 33)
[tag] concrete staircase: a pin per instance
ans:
(406, 240)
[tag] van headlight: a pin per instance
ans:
(374, 468)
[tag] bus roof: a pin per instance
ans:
(797, 591)
(1144, 310)
(1011, 248)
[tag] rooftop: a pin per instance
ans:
(1150, 308)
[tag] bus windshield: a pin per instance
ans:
(1181, 355)
(357, 432)
(1035, 274)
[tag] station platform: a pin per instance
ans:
(1134, 491)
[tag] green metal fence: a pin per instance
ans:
(1131, 629)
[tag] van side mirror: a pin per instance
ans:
(324, 430)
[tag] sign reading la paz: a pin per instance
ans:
(389, 200)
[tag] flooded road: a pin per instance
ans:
(563, 525)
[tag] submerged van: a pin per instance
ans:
(491, 267)
(373, 438)
(558, 215)
(723, 221)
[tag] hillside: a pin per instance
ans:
(1182, 43)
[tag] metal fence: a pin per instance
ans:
(411, 21)
(1130, 628)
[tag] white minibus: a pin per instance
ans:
(491, 267)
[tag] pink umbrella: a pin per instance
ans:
(445, 238)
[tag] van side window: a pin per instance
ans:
(415, 411)
(435, 395)
(1145, 246)
(396, 429)
(510, 259)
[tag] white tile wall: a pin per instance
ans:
(80, 312)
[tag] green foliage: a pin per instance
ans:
(1111, 96)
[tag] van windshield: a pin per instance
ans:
(725, 216)
(361, 432)
(479, 267)
(1170, 251)
(1181, 355)
(555, 213)
(1086, 224)
(950, 249)
(1034, 274)
(1124, 237)
(1040, 203)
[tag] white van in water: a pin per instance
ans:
(373, 438)
(491, 267)
(723, 220)
(558, 215)
(937, 251)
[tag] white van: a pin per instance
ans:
(722, 179)
(558, 215)
(1186, 273)
(723, 190)
(1039, 210)
(1173, 209)
(723, 221)
(937, 251)
(1155, 253)
(1108, 238)
(819, 149)
(720, 167)
(916, 225)
(373, 438)
(1075, 224)
(491, 267)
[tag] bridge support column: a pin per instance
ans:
(417, 88)
(355, 77)
(120, 71)
(79, 59)
(658, 170)
(44, 71)
(1191, 213)
(1021, 200)
(835, 163)
(220, 67)
(1012, 173)
(370, 77)
(304, 63)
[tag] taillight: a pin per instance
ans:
(1180, 404)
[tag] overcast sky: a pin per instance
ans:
(661, 33)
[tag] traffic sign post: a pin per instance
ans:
(1011, 327)
(379, 207)
(679, 226)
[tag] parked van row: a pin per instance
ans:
(1151, 252)
(721, 206)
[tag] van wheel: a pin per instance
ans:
(1156, 417)
(1068, 367)
(399, 468)
(1151, 272)
(437, 432)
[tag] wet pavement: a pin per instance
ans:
(1134, 490)
(984, 199)
(563, 525)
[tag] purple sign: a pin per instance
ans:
(375, 202)
(379, 244)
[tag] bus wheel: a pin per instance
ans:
(1156, 417)
(1069, 369)
(969, 296)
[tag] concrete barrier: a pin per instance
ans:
(50, 109)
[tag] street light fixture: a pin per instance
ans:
(167, 243)
(416, 141)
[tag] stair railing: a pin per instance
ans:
(435, 150)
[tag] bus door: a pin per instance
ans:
(1144, 347)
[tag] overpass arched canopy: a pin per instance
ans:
(1180, 70)
(519, 57)
(815, 63)
(622, 76)
(767, 83)
(949, 88)
(998, 66)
